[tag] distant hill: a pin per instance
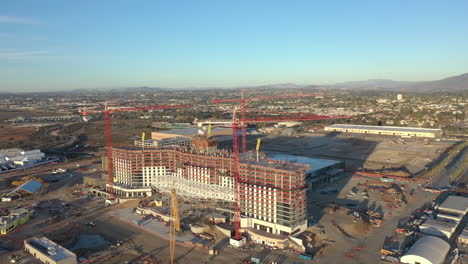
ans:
(143, 89)
(372, 84)
(451, 84)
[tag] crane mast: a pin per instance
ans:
(243, 105)
(175, 224)
(108, 134)
(238, 240)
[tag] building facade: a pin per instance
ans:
(386, 130)
(49, 252)
(272, 193)
(13, 220)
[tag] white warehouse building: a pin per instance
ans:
(20, 157)
(427, 250)
(438, 228)
(454, 205)
(386, 130)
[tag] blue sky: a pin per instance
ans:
(61, 45)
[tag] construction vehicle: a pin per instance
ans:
(386, 252)
(400, 230)
(305, 257)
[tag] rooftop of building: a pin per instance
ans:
(430, 248)
(455, 203)
(267, 161)
(439, 224)
(182, 131)
(31, 187)
(387, 128)
(167, 139)
(245, 158)
(190, 132)
(15, 214)
(50, 248)
(266, 235)
(127, 187)
(314, 163)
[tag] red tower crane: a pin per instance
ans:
(108, 133)
(236, 157)
(243, 105)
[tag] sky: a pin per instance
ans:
(87, 44)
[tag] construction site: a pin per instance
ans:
(217, 195)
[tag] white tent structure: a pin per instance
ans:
(427, 250)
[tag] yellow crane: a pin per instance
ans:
(259, 140)
(175, 223)
(209, 131)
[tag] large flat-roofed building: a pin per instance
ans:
(454, 205)
(320, 171)
(272, 192)
(49, 252)
(386, 130)
(438, 228)
(449, 217)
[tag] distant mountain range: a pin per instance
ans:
(143, 89)
(451, 84)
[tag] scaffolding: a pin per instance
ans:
(271, 191)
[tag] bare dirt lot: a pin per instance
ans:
(359, 242)
(122, 131)
(12, 133)
(361, 151)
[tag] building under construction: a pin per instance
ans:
(272, 193)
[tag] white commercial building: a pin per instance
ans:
(449, 217)
(454, 205)
(49, 252)
(19, 157)
(438, 228)
(427, 250)
(386, 130)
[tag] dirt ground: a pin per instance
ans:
(12, 133)
(358, 239)
(360, 151)
(122, 131)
